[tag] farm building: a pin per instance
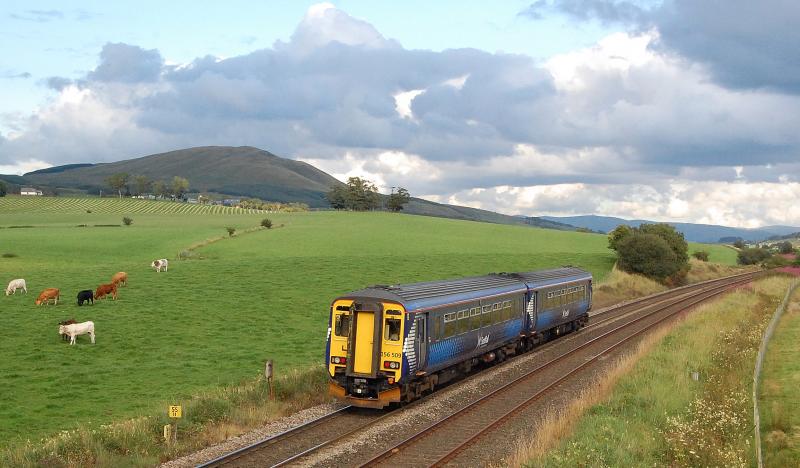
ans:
(29, 191)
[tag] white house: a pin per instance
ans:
(29, 191)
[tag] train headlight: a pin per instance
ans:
(338, 360)
(391, 365)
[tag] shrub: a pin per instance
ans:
(267, 223)
(231, 231)
(752, 256)
(776, 261)
(648, 254)
(10, 255)
(701, 255)
(88, 211)
(127, 221)
(786, 247)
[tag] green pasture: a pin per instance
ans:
(215, 318)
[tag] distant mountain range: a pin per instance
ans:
(242, 171)
(707, 233)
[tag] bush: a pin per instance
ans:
(776, 261)
(751, 256)
(10, 255)
(231, 231)
(786, 247)
(127, 221)
(649, 255)
(267, 223)
(88, 211)
(701, 255)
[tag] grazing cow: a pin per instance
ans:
(159, 264)
(84, 296)
(105, 289)
(46, 295)
(120, 278)
(13, 285)
(76, 329)
(64, 336)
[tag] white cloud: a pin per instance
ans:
(22, 167)
(402, 102)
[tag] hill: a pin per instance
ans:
(241, 171)
(707, 233)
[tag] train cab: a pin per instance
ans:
(365, 350)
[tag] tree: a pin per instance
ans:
(362, 195)
(398, 199)
(739, 244)
(3, 189)
(786, 247)
(674, 238)
(179, 186)
(619, 233)
(649, 255)
(337, 197)
(142, 184)
(118, 181)
(159, 188)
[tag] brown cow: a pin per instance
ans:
(105, 289)
(46, 295)
(120, 278)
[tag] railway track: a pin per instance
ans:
(602, 336)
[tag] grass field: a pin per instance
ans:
(780, 391)
(656, 414)
(212, 320)
(121, 206)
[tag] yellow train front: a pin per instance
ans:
(365, 350)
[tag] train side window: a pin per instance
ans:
(486, 315)
(342, 325)
(391, 330)
(463, 321)
(475, 318)
(437, 327)
(450, 324)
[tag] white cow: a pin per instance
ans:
(76, 329)
(159, 264)
(16, 284)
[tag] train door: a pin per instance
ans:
(421, 340)
(365, 337)
(530, 311)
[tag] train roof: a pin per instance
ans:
(415, 296)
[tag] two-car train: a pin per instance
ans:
(392, 343)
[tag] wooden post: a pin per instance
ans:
(268, 376)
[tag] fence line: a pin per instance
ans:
(762, 350)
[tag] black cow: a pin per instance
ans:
(85, 296)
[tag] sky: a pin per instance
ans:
(671, 110)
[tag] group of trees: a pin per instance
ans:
(140, 184)
(657, 251)
(3, 189)
(258, 204)
(362, 195)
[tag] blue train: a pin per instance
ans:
(391, 344)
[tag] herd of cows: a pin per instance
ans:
(69, 329)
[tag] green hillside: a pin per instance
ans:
(243, 170)
(123, 206)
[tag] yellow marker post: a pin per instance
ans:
(175, 411)
(171, 430)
